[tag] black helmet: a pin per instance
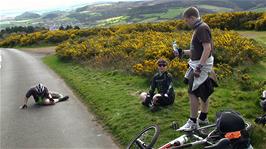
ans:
(39, 88)
(229, 121)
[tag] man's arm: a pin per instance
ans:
(26, 101)
(152, 86)
(24, 106)
(203, 58)
(206, 52)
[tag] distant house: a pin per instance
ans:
(51, 28)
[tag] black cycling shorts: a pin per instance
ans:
(164, 101)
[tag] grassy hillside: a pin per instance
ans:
(134, 11)
(112, 95)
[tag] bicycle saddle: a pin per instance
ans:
(221, 144)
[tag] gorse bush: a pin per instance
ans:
(234, 50)
(136, 47)
(140, 50)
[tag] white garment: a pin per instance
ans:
(205, 70)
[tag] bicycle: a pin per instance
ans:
(206, 135)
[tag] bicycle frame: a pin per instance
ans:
(181, 142)
(210, 139)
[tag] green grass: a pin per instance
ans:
(215, 8)
(112, 96)
(262, 9)
(259, 36)
(171, 13)
(113, 21)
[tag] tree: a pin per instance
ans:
(76, 27)
(61, 27)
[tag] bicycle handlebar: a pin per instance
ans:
(221, 144)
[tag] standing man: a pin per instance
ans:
(200, 85)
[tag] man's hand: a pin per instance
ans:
(51, 100)
(197, 71)
(165, 95)
(178, 52)
(23, 106)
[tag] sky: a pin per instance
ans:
(9, 7)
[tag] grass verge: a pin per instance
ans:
(112, 96)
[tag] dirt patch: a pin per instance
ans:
(40, 50)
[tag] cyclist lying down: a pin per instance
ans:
(42, 96)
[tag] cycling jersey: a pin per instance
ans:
(37, 97)
(163, 83)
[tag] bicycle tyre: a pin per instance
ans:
(155, 136)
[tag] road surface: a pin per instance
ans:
(64, 125)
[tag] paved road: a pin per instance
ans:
(65, 125)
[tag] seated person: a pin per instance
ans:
(162, 81)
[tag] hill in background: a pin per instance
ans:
(27, 15)
(112, 13)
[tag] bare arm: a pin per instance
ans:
(25, 101)
(206, 53)
(24, 106)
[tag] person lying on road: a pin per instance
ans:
(42, 96)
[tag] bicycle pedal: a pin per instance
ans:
(175, 125)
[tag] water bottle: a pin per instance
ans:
(175, 48)
(180, 140)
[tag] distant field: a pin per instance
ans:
(215, 8)
(171, 13)
(262, 9)
(112, 21)
(259, 36)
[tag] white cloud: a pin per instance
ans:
(27, 5)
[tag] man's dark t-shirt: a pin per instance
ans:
(201, 34)
(33, 92)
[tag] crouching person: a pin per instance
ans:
(162, 81)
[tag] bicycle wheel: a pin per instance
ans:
(146, 138)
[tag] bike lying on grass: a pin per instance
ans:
(208, 136)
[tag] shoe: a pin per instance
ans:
(145, 104)
(201, 122)
(190, 125)
(154, 108)
(64, 98)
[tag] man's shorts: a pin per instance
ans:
(203, 91)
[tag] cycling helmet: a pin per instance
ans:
(229, 121)
(39, 88)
